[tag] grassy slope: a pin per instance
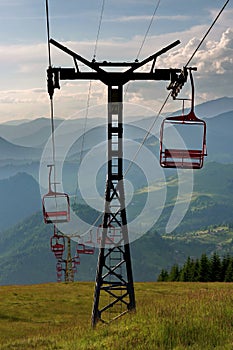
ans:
(169, 316)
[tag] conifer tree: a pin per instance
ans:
(163, 276)
(196, 270)
(187, 272)
(174, 273)
(225, 263)
(215, 268)
(229, 272)
(204, 269)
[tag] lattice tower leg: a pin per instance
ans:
(114, 289)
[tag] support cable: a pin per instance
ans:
(148, 29)
(161, 109)
(48, 31)
(99, 27)
(51, 95)
(90, 83)
(89, 93)
(145, 36)
(204, 37)
(147, 134)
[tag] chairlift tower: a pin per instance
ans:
(114, 289)
(69, 271)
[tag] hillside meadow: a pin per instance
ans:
(178, 316)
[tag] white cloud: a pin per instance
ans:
(146, 18)
(214, 60)
(23, 83)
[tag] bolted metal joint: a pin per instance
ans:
(52, 80)
(177, 84)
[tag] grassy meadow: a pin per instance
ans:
(195, 316)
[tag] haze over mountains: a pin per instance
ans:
(24, 238)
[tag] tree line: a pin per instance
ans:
(205, 269)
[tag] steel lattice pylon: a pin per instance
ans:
(114, 271)
(114, 289)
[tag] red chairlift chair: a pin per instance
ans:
(185, 158)
(76, 260)
(83, 249)
(57, 244)
(56, 205)
(59, 271)
(87, 247)
(75, 263)
(111, 234)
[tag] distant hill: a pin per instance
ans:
(214, 107)
(20, 198)
(35, 132)
(25, 255)
(15, 122)
(28, 133)
(219, 138)
(15, 152)
(211, 108)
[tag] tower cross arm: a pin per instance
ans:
(110, 78)
(75, 56)
(153, 57)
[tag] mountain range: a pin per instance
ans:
(25, 255)
(20, 198)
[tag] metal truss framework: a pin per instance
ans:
(114, 288)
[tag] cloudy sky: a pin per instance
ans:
(24, 59)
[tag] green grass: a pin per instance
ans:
(195, 316)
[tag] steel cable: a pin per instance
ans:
(161, 109)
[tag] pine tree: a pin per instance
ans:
(215, 268)
(163, 276)
(196, 270)
(187, 272)
(174, 273)
(204, 269)
(229, 272)
(225, 263)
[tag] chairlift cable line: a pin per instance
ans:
(147, 134)
(160, 111)
(99, 27)
(162, 107)
(89, 94)
(48, 31)
(208, 31)
(148, 29)
(145, 36)
(90, 83)
(139, 51)
(51, 97)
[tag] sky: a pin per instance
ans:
(75, 23)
